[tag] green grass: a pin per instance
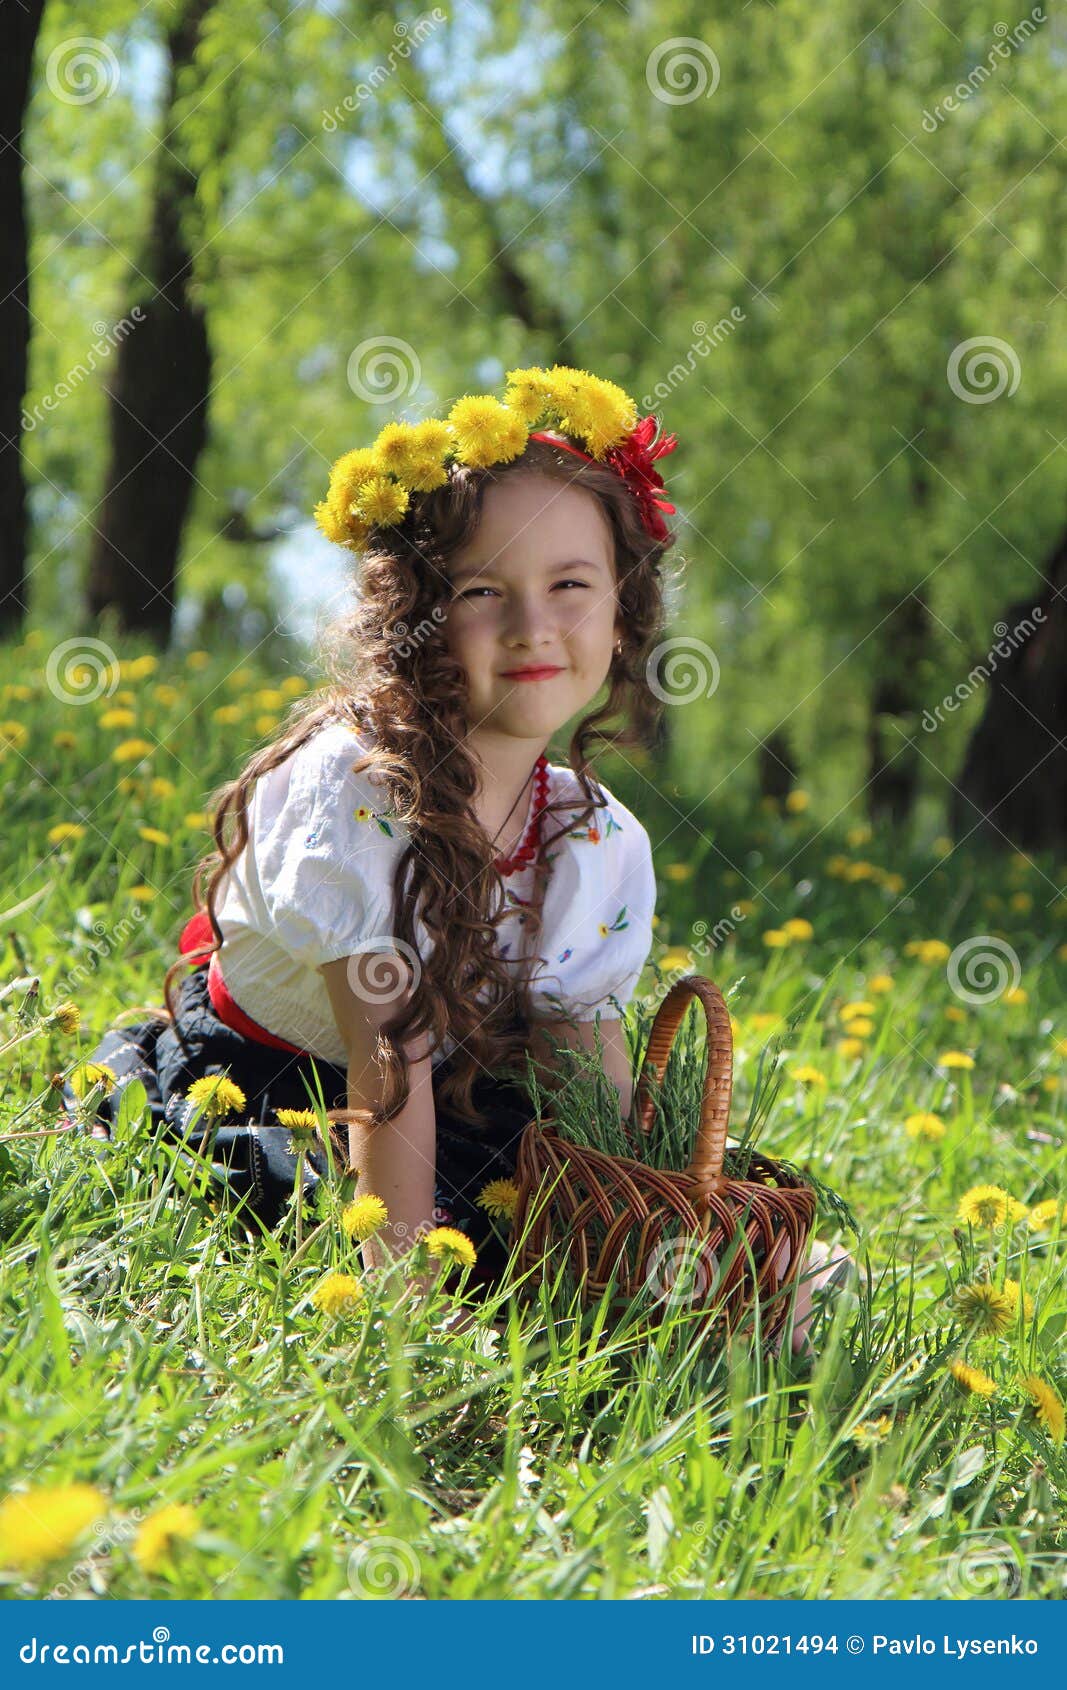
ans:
(155, 1352)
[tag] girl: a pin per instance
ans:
(406, 895)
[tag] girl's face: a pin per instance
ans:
(534, 590)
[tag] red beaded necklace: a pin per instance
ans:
(531, 839)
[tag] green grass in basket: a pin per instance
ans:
(586, 1106)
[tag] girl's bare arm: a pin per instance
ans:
(616, 1056)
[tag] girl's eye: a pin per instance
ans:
(472, 591)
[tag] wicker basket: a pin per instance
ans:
(659, 1232)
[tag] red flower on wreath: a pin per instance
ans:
(635, 461)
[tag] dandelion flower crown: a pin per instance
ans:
(371, 486)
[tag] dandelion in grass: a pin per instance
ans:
(499, 1198)
(40, 1525)
(983, 1307)
(1016, 995)
(797, 801)
(1042, 1217)
(338, 1294)
(1047, 1405)
(67, 1016)
(872, 1431)
(362, 1217)
(776, 938)
(973, 1380)
(807, 1075)
(1013, 1292)
(64, 832)
(798, 928)
(453, 1245)
(955, 1059)
(929, 951)
(924, 1124)
(859, 1027)
(850, 1049)
(880, 984)
(303, 1127)
(853, 1011)
(89, 1074)
(220, 1097)
(161, 1532)
(984, 1205)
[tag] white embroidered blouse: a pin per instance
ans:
(314, 883)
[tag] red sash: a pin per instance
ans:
(196, 935)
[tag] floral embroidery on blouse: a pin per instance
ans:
(363, 814)
(592, 834)
(563, 955)
(616, 926)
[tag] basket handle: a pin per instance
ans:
(705, 1169)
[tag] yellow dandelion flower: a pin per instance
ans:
(338, 1293)
(953, 1012)
(1021, 901)
(157, 1535)
(1047, 1405)
(850, 1049)
(381, 501)
(942, 846)
(798, 928)
(984, 1205)
(858, 871)
(924, 1124)
(983, 1307)
(485, 431)
(1016, 995)
(220, 1096)
(363, 1216)
(194, 819)
(850, 1010)
(1012, 1291)
(303, 1124)
(293, 685)
(880, 984)
(40, 1525)
(455, 1246)
(797, 801)
(858, 835)
(893, 883)
(64, 740)
(955, 1059)
(860, 1027)
(63, 831)
(197, 659)
(972, 1379)
(132, 750)
(227, 714)
(67, 1016)
(166, 695)
(14, 734)
(89, 1074)
(121, 718)
(143, 894)
(160, 787)
(499, 1198)
(529, 394)
(776, 938)
(930, 951)
(807, 1075)
(763, 1020)
(154, 835)
(677, 871)
(1043, 1215)
(136, 668)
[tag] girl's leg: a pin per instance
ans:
(827, 1268)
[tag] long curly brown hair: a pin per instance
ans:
(392, 679)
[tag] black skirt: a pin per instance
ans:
(253, 1160)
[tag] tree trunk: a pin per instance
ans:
(21, 26)
(1012, 788)
(157, 399)
(893, 770)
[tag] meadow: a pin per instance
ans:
(187, 1414)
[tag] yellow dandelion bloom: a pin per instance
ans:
(381, 501)
(797, 801)
(860, 1027)
(338, 1293)
(1011, 1290)
(455, 1246)
(955, 1059)
(143, 894)
(850, 1049)
(227, 714)
(1016, 995)
(880, 984)
(63, 831)
(677, 871)
(984, 1205)
(157, 1536)
(807, 1075)
(14, 734)
(893, 883)
(64, 740)
(763, 1020)
(194, 819)
(131, 750)
(363, 1216)
(485, 431)
(67, 1016)
(120, 718)
(798, 928)
(942, 846)
(858, 835)
(167, 695)
(220, 1096)
(160, 787)
(154, 835)
(1021, 901)
(859, 871)
(499, 1198)
(983, 1307)
(924, 1125)
(849, 1011)
(1043, 1215)
(293, 685)
(929, 951)
(1047, 1405)
(40, 1525)
(197, 659)
(528, 393)
(414, 453)
(303, 1124)
(776, 938)
(136, 668)
(89, 1074)
(671, 960)
(972, 1379)
(953, 1012)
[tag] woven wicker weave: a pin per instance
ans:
(653, 1227)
